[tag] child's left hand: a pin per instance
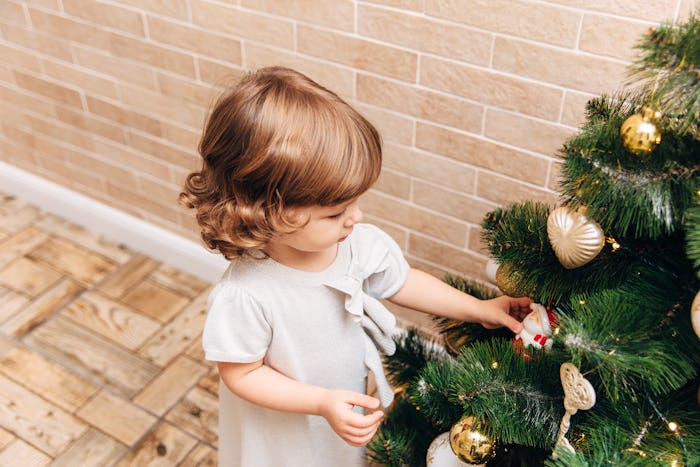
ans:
(505, 311)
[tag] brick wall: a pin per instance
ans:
(472, 97)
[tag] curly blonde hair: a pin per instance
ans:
(276, 140)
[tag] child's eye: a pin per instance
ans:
(337, 215)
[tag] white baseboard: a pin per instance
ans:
(112, 224)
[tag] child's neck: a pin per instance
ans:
(309, 261)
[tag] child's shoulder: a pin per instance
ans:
(369, 241)
(241, 277)
(370, 234)
(367, 231)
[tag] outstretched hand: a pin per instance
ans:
(506, 311)
(355, 428)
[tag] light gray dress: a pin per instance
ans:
(321, 328)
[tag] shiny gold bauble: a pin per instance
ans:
(575, 238)
(469, 443)
(640, 134)
(508, 279)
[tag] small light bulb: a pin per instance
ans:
(673, 426)
(494, 364)
(614, 244)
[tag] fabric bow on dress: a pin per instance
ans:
(377, 322)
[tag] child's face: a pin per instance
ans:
(326, 227)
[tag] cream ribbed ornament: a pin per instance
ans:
(695, 318)
(575, 238)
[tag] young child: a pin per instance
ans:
(294, 324)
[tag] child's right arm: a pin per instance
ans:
(261, 385)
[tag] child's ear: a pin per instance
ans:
(296, 216)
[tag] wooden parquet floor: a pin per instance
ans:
(100, 358)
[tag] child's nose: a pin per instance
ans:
(354, 215)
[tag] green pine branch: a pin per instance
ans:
(629, 196)
(669, 66)
(494, 382)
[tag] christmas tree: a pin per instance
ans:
(606, 372)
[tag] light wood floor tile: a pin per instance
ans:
(113, 251)
(93, 449)
(20, 244)
(41, 309)
(49, 379)
(201, 456)
(5, 438)
(210, 382)
(20, 453)
(195, 350)
(112, 319)
(198, 414)
(164, 445)
(181, 282)
(167, 388)
(15, 217)
(155, 301)
(100, 351)
(11, 303)
(40, 423)
(178, 335)
(85, 267)
(28, 277)
(94, 356)
(134, 271)
(117, 417)
(6, 346)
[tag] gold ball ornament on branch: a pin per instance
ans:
(508, 280)
(640, 133)
(469, 443)
(575, 238)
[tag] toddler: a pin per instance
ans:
(295, 323)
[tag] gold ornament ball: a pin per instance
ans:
(507, 280)
(469, 443)
(639, 132)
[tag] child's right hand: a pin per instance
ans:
(355, 428)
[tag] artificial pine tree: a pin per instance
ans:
(618, 264)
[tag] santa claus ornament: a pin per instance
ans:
(537, 329)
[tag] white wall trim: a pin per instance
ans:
(112, 224)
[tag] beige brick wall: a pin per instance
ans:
(473, 97)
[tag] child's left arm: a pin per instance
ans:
(428, 294)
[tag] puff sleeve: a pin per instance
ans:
(236, 329)
(390, 268)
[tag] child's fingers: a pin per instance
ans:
(361, 436)
(513, 324)
(523, 302)
(360, 421)
(364, 430)
(361, 440)
(363, 400)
